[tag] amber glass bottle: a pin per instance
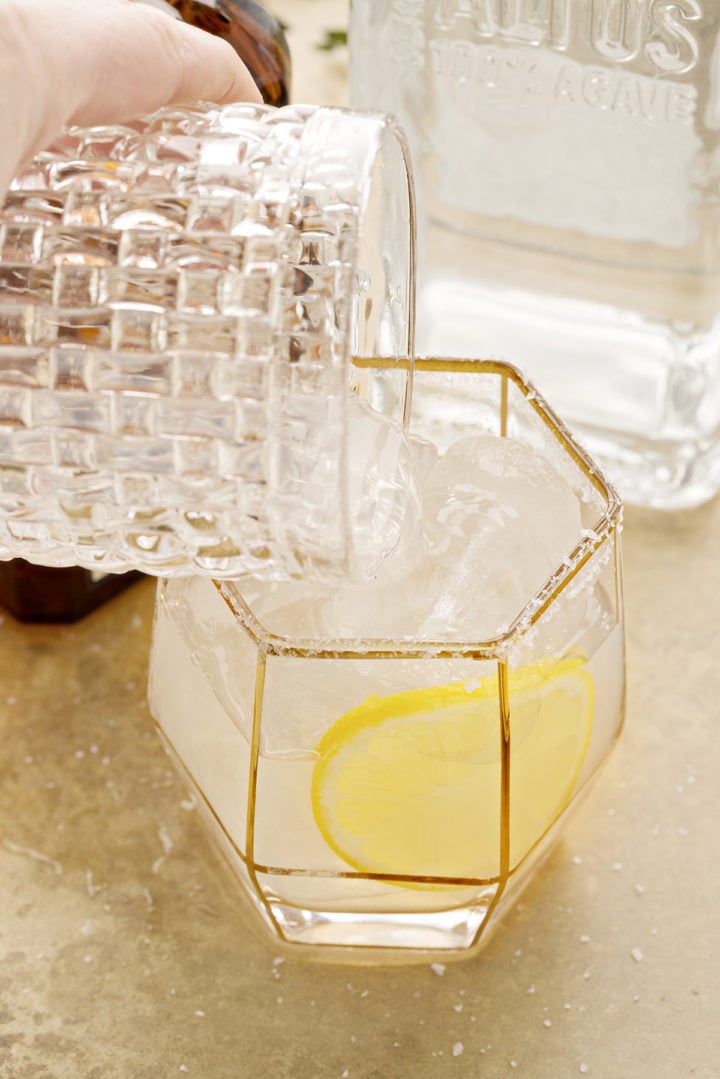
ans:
(43, 594)
(255, 35)
(56, 594)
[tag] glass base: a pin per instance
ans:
(436, 931)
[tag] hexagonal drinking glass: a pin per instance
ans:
(383, 781)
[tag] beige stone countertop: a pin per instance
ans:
(124, 953)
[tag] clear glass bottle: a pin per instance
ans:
(567, 160)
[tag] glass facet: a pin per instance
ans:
(179, 302)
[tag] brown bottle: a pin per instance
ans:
(56, 594)
(256, 36)
(43, 594)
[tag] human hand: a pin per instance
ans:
(101, 61)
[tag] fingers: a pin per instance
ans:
(98, 62)
(151, 61)
(205, 68)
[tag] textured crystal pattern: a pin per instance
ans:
(175, 309)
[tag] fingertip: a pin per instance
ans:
(206, 67)
(242, 88)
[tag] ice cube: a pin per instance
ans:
(498, 520)
(385, 470)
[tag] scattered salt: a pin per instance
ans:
(36, 855)
(457, 1049)
(584, 938)
(577, 860)
(92, 889)
(166, 841)
(438, 968)
(547, 1022)
(637, 954)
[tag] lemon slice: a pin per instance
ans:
(410, 784)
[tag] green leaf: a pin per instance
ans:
(333, 39)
